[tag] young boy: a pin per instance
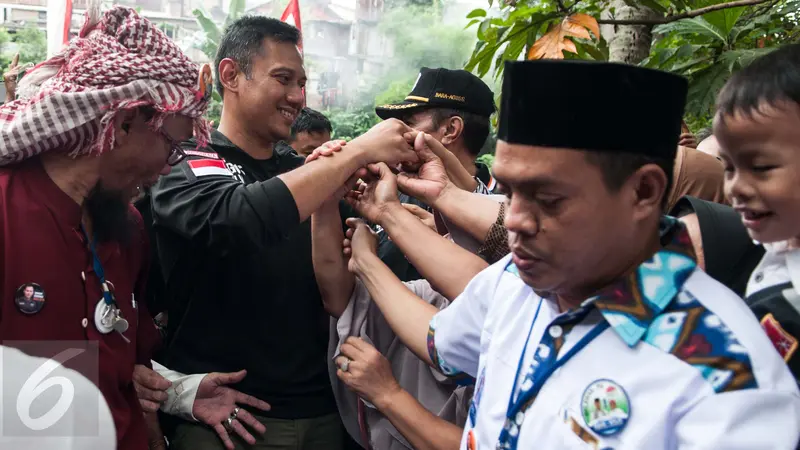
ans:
(758, 127)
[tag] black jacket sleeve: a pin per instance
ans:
(217, 212)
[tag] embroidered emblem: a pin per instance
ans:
(784, 343)
(205, 167)
(605, 407)
(202, 154)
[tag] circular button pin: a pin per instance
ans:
(85, 322)
(29, 298)
(556, 331)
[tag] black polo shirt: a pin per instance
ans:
(239, 282)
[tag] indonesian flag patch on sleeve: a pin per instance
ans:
(785, 343)
(203, 167)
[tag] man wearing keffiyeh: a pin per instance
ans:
(92, 126)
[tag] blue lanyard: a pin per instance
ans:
(108, 296)
(541, 372)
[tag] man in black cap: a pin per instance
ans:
(454, 107)
(601, 297)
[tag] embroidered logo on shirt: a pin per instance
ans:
(205, 167)
(785, 343)
(202, 154)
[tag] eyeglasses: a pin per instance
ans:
(176, 153)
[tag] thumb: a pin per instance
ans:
(353, 222)
(415, 210)
(381, 170)
(428, 148)
(231, 377)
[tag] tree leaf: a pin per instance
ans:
(704, 87)
(736, 59)
(209, 27)
(696, 26)
(654, 5)
(483, 28)
(235, 10)
(724, 19)
(556, 41)
(477, 12)
(471, 23)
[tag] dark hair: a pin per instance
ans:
(476, 127)
(244, 38)
(618, 167)
(310, 121)
(769, 79)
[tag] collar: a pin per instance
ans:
(630, 304)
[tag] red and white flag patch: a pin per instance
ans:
(785, 343)
(203, 167)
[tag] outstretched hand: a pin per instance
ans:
(215, 402)
(377, 195)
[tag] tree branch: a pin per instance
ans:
(685, 15)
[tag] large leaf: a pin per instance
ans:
(692, 28)
(210, 29)
(725, 19)
(235, 10)
(736, 59)
(553, 44)
(704, 87)
(478, 12)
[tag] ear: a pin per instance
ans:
(454, 126)
(229, 75)
(648, 185)
(123, 124)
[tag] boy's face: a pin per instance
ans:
(761, 152)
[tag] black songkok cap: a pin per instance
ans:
(595, 106)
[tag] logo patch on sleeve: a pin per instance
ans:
(784, 343)
(211, 155)
(204, 167)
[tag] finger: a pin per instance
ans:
(251, 421)
(249, 400)
(431, 148)
(339, 361)
(148, 394)
(358, 343)
(223, 435)
(353, 222)
(150, 379)
(242, 432)
(346, 251)
(416, 210)
(14, 61)
(228, 378)
(347, 243)
(351, 351)
(149, 406)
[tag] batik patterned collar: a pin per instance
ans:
(631, 303)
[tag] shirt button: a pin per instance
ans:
(759, 277)
(85, 322)
(83, 276)
(556, 331)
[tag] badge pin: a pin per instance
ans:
(29, 298)
(605, 407)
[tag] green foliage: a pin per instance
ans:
(487, 159)
(211, 33)
(348, 125)
(707, 49)
(31, 45)
(428, 43)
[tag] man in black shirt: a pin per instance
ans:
(454, 107)
(234, 243)
(310, 130)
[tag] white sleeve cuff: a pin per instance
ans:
(181, 395)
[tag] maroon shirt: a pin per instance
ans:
(42, 243)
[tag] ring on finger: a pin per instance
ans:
(345, 364)
(228, 424)
(235, 413)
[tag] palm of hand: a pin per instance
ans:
(375, 198)
(214, 403)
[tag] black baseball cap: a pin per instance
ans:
(444, 88)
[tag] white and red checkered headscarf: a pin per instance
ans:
(120, 61)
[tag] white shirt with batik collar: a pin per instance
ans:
(676, 398)
(779, 265)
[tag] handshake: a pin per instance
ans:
(396, 157)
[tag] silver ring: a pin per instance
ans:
(345, 365)
(234, 414)
(228, 424)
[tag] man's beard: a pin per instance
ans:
(109, 214)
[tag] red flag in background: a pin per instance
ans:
(291, 15)
(67, 21)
